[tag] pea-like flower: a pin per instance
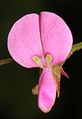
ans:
(43, 41)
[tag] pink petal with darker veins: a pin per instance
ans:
(24, 40)
(47, 91)
(56, 36)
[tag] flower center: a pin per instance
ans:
(43, 61)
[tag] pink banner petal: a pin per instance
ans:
(56, 36)
(47, 91)
(24, 40)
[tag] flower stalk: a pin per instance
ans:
(5, 61)
(77, 47)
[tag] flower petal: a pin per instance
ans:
(24, 40)
(56, 36)
(47, 91)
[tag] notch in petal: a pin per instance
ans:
(56, 36)
(24, 40)
(47, 91)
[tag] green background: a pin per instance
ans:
(16, 82)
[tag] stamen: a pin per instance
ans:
(48, 57)
(37, 60)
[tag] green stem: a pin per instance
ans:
(5, 61)
(76, 47)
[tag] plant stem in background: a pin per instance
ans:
(77, 47)
(5, 61)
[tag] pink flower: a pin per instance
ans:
(41, 41)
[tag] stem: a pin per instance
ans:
(5, 61)
(77, 46)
